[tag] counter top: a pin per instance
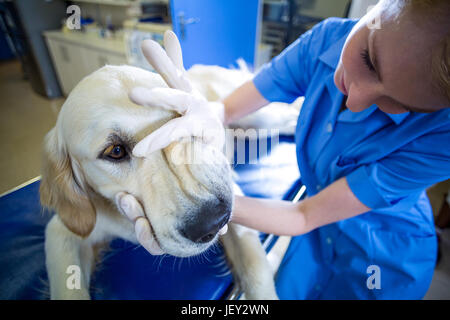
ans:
(115, 45)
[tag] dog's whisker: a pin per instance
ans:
(224, 274)
(220, 263)
(174, 263)
(179, 265)
(189, 261)
(207, 258)
(163, 256)
(43, 288)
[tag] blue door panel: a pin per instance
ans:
(217, 32)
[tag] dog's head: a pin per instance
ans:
(88, 158)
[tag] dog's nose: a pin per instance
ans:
(205, 224)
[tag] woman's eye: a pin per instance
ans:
(115, 152)
(366, 58)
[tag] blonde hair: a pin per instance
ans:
(439, 12)
(440, 66)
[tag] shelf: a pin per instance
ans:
(123, 3)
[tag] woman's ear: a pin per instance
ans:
(61, 192)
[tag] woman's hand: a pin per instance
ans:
(132, 209)
(199, 117)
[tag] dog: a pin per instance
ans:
(87, 160)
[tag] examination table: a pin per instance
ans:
(128, 271)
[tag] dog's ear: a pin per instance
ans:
(61, 191)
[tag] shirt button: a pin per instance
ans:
(318, 287)
(329, 240)
(329, 127)
(318, 187)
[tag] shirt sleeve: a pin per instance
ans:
(409, 170)
(287, 76)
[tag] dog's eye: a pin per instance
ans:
(115, 152)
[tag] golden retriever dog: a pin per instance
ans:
(88, 161)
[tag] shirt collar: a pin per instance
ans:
(397, 118)
(349, 116)
(331, 58)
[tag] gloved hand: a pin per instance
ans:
(200, 118)
(131, 208)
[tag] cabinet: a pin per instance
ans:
(68, 64)
(73, 60)
(95, 59)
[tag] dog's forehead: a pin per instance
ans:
(134, 124)
(94, 126)
(100, 106)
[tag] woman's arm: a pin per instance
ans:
(242, 101)
(334, 203)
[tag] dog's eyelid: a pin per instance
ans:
(122, 138)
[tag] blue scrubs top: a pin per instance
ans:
(389, 160)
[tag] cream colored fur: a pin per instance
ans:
(80, 186)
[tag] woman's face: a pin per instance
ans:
(389, 66)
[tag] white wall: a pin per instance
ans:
(324, 8)
(359, 8)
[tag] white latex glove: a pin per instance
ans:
(199, 117)
(131, 208)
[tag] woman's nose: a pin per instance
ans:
(361, 96)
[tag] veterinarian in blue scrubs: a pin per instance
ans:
(372, 135)
(388, 160)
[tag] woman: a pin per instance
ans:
(373, 134)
